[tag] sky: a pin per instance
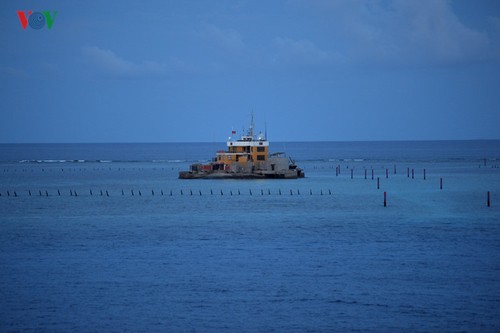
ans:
(309, 70)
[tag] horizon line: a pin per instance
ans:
(279, 141)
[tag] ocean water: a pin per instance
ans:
(105, 238)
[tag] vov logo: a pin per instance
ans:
(36, 20)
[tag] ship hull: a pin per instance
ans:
(289, 174)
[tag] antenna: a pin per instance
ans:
(265, 130)
(250, 130)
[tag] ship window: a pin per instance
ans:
(261, 157)
(261, 149)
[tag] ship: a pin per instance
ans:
(246, 158)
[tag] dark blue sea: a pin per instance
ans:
(106, 238)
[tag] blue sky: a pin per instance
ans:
(162, 71)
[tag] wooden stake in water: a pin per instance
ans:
(488, 199)
(441, 183)
(424, 174)
(378, 183)
(385, 199)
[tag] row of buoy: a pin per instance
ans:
(347, 167)
(162, 193)
(85, 169)
(338, 169)
(74, 193)
(338, 172)
(199, 192)
(386, 173)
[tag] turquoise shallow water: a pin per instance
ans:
(324, 255)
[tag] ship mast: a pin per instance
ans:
(250, 130)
